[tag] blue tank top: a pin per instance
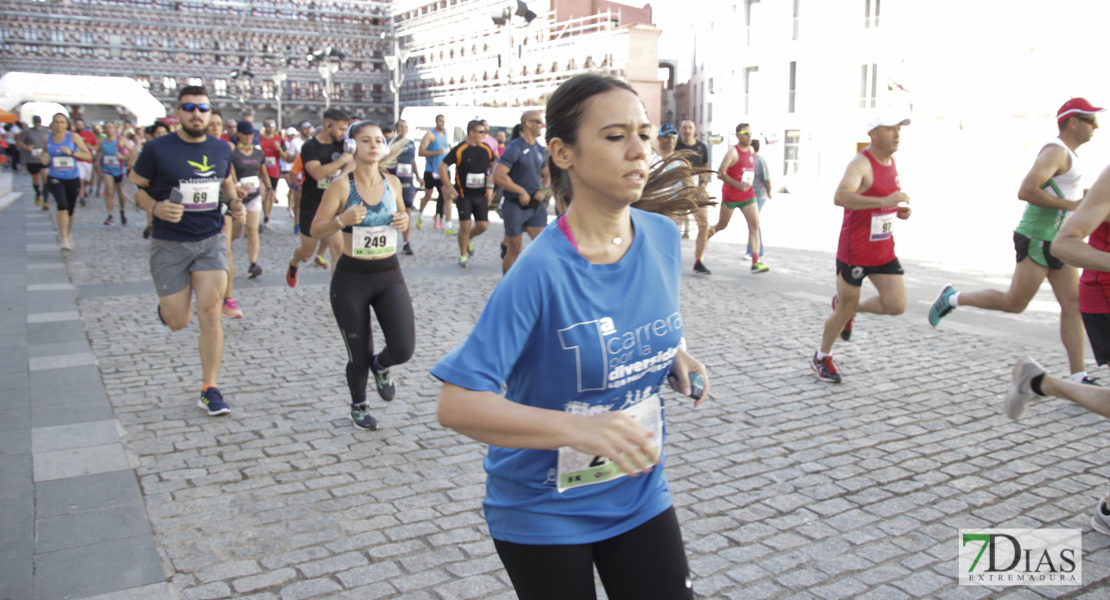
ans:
(55, 150)
(439, 143)
(379, 214)
(110, 150)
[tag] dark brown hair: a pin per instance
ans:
(565, 111)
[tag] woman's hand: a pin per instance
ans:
(618, 438)
(353, 214)
(683, 366)
(401, 220)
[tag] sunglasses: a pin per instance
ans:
(537, 121)
(482, 130)
(191, 106)
(1085, 119)
(745, 132)
(270, 125)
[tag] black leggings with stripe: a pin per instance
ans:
(356, 287)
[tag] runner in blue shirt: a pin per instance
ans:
(62, 149)
(522, 172)
(180, 179)
(577, 441)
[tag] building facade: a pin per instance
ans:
(459, 56)
(166, 45)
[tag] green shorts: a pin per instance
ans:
(740, 204)
(1039, 251)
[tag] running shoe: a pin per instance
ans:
(419, 222)
(109, 220)
(361, 417)
(825, 369)
(383, 382)
(321, 261)
(463, 260)
(701, 269)
(1088, 380)
(685, 235)
(122, 219)
(231, 310)
(941, 306)
(470, 248)
(38, 200)
(255, 270)
(504, 250)
(296, 230)
(261, 228)
(291, 276)
(83, 202)
(846, 333)
(212, 401)
(449, 231)
(1100, 520)
(45, 204)
(758, 267)
(406, 249)
(1021, 390)
(147, 232)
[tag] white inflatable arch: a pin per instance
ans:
(17, 88)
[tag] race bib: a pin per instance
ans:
(404, 170)
(577, 469)
(251, 183)
(271, 161)
(374, 241)
(475, 180)
(63, 162)
(747, 178)
(882, 226)
(203, 195)
(325, 182)
(111, 161)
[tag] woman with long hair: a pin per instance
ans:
(583, 334)
(61, 152)
(367, 276)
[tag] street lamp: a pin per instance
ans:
(505, 17)
(243, 76)
(327, 62)
(279, 78)
(395, 61)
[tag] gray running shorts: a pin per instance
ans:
(172, 262)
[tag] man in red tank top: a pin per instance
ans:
(872, 199)
(1070, 245)
(737, 173)
(272, 145)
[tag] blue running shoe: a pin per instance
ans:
(361, 417)
(382, 380)
(941, 306)
(212, 401)
(296, 230)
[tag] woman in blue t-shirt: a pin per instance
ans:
(582, 334)
(64, 182)
(364, 207)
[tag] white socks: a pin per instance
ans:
(954, 300)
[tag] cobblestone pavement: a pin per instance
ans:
(785, 487)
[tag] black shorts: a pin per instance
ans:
(855, 275)
(473, 205)
(115, 178)
(1039, 251)
(34, 168)
(1098, 332)
(432, 182)
(308, 214)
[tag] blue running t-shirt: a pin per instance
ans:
(564, 334)
(197, 170)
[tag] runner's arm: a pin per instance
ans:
(730, 159)
(82, 149)
(501, 179)
(1071, 244)
(424, 143)
(857, 179)
(142, 198)
(325, 224)
(1052, 161)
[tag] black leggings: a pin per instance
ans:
(356, 287)
(647, 562)
(65, 192)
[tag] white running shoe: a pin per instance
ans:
(1021, 392)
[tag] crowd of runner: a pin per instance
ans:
(571, 483)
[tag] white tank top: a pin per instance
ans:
(1070, 183)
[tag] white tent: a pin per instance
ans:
(17, 88)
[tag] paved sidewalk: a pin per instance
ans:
(785, 487)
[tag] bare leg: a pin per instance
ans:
(1028, 277)
(253, 219)
(1065, 284)
(891, 299)
(722, 220)
(208, 285)
(846, 307)
(230, 262)
(751, 215)
(702, 218)
(1090, 397)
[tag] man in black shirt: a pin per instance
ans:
(472, 159)
(324, 161)
(688, 141)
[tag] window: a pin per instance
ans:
(144, 80)
(870, 13)
(196, 81)
(267, 89)
(220, 85)
(169, 84)
(790, 151)
(86, 37)
(793, 86)
(868, 86)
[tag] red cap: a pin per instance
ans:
(1076, 106)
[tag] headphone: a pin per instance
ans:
(348, 142)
